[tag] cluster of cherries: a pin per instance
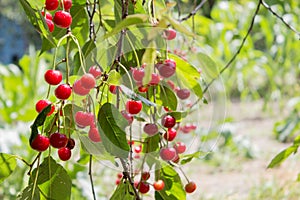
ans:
(62, 18)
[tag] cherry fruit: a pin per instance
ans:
(64, 153)
(138, 149)
(150, 129)
(79, 89)
(170, 134)
(190, 187)
(51, 4)
(95, 71)
(155, 79)
(138, 74)
(168, 121)
(71, 143)
(94, 134)
(43, 103)
(84, 119)
(127, 116)
(53, 77)
(170, 34)
(183, 93)
(158, 185)
(143, 187)
(62, 19)
(67, 4)
(145, 176)
(50, 25)
(48, 15)
(179, 147)
(40, 143)
(63, 91)
(58, 140)
(133, 107)
(113, 89)
(88, 81)
(167, 68)
(167, 153)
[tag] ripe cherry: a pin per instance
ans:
(138, 149)
(63, 91)
(158, 185)
(64, 153)
(127, 116)
(43, 103)
(113, 89)
(169, 34)
(170, 134)
(58, 140)
(155, 79)
(183, 93)
(143, 187)
(138, 74)
(167, 68)
(83, 119)
(62, 19)
(94, 134)
(50, 25)
(48, 15)
(51, 4)
(71, 143)
(190, 187)
(95, 71)
(179, 147)
(120, 175)
(133, 107)
(168, 121)
(145, 176)
(88, 81)
(67, 4)
(143, 89)
(79, 89)
(118, 181)
(53, 77)
(40, 143)
(150, 129)
(167, 153)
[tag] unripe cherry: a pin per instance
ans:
(79, 89)
(84, 119)
(88, 81)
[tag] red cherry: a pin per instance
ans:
(64, 153)
(51, 4)
(169, 34)
(170, 134)
(50, 25)
(145, 176)
(143, 187)
(43, 103)
(120, 175)
(155, 79)
(171, 84)
(62, 19)
(190, 187)
(158, 185)
(167, 153)
(71, 143)
(180, 147)
(143, 89)
(166, 69)
(88, 81)
(67, 4)
(176, 159)
(53, 77)
(150, 129)
(63, 91)
(58, 140)
(183, 93)
(168, 121)
(84, 119)
(94, 134)
(95, 71)
(48, 15)
(40, 143)
(79, 89)
(127, 116)
(118, 181)
(133, 107)
(138, 74)
(138, 149)
(113, 89)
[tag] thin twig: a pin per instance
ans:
(193, 12)
(91, 177)
(279, 17)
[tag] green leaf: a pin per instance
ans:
(178, 115)
(53, 180)
(123, 191)
(134, 19)
(208, 66)
(279, 158)
(173, 185)
(148, 58)
(179, 27)
(189, 157)
(114, 78)
(112, 125)
(130, 94)
(8, 164)
(28, 193)
(168, 97)
(151, 144)
(39, 121)
(188, 75)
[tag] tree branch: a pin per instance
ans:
(193, 12)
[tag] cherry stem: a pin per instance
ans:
(31, 165)
(183, 173)
(91, 176)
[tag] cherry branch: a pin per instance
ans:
(91, 177)
(279, 17)
(193, 12)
